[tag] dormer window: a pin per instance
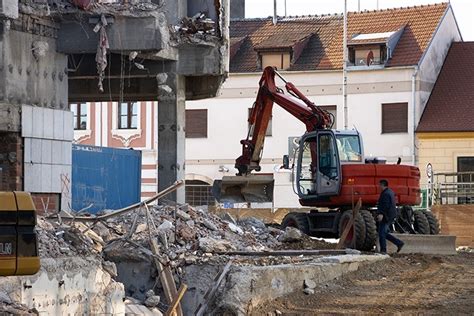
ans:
(280, 51)
(279, 60)
(370, 49)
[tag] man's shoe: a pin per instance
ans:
(399, 247)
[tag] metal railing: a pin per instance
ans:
(453, 188)
(199, 195)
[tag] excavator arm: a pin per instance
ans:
(294, 103)
(248, 187)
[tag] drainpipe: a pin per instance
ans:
(413, 101)
(344, 69)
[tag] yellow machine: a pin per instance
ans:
(18, 242)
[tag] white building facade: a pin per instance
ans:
(374, 94)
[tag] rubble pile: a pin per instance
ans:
(59, 240)
(195, 29)
(199, 23)
(185, 235)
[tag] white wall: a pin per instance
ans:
(48, 136)
(227, 121)
(367, 90)
(433, 59)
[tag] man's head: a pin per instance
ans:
(383, 184)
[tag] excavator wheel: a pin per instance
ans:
(421, 224)
(296, 220)
(359, 229)
(433, 222)
(370, 230)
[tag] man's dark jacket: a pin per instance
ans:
(387, 206)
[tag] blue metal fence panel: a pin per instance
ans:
(107, 178)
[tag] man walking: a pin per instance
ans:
(386, 213)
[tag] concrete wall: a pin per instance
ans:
(69, 286)
(24, 79)
(246, 287)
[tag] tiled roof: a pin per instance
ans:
(450, 107)
(323, 50)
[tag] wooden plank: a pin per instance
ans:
(350, 225)
(176, 300)
(127, 209)
(166, 279)
(212, 290)
(312, 252)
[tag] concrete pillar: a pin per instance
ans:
(171, 137)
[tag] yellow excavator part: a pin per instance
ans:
(18, 241)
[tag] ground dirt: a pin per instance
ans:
(306, 243)
(403, 284)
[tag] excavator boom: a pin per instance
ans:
(247, 187)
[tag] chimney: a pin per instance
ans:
(274, 12)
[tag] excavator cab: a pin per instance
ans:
(318, 168)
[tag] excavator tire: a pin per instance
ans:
(433, 221)
(370, 230)
(421, 225)
(296, 220)
(359, 229)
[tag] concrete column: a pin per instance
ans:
(171, 137)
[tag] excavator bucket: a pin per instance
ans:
(244, 189)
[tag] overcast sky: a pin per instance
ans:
(463, 9)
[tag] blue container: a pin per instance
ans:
(107, 178)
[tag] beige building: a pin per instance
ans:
(445, 133)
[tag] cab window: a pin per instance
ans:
(349, 149)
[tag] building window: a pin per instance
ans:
(80, 115)
(198, 193)
(128, 115)
(269, 127)
(465, 188)
(196, 123)
(394, 118)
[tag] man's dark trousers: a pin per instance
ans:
(384, 234)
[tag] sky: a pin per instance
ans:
(463, 9)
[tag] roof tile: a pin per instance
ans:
(450, 107)
(324, 49)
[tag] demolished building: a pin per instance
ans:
(57, 52)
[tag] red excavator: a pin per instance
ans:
(331, 173)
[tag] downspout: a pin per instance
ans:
(413, 102)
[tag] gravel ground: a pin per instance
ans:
(403, 284)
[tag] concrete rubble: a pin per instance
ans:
(192, 243)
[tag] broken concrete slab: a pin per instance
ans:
(291, 234)
(152, 301)
(249, 286)
(63, 285)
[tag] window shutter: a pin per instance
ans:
(395, 118)
(196, 123)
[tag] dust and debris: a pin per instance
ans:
(55, 8)
(197, 29)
